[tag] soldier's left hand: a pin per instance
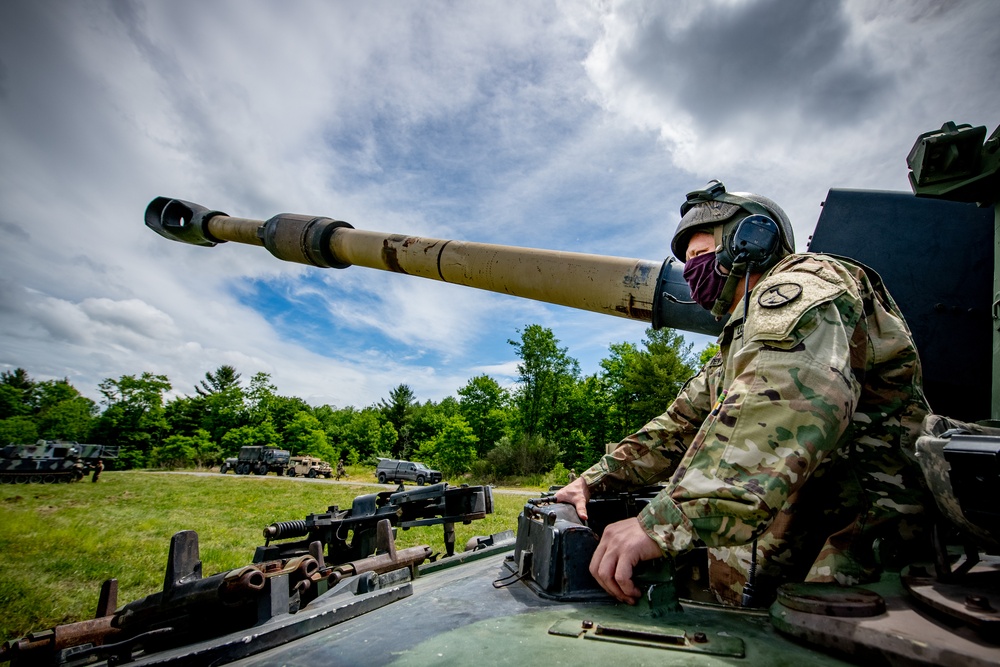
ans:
(623, 545)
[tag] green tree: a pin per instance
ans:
(264, 435)
(17, 394)
(62, 413)
(177, 451)
(305, 435)
(70, 419)
(545, 373)
(659, 372)
(261, 398)
(582, 438)
(54, 408)
(18, 430)
(185, 414)
(397, 410)
(222, 380)
(182, 451)
(133, 417)
(620, 391)
(221, 402)
(706, 355)
(367, 435)
(485, 405)
(452, 448)
(527, 455)
(425, 422)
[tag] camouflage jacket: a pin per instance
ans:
(799, 434)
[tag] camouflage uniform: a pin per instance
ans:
(821, 383)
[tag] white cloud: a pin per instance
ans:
(573, 126)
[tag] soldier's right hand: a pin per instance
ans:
(576, 493)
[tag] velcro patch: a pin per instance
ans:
(782, 301)
(778, 295)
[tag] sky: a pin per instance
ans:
(560, 125)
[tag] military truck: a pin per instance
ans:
(308, 466)
(258, 460)
(397, 472)
(50, 461)
(529, 600)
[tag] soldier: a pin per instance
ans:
(98, 469)
(572, 474)
(340, 469)
(790, 453)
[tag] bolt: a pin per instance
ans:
(978, 603)
(700, 637)
(587, 625)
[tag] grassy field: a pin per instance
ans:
(59, 542)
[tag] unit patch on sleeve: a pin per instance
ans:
(778, 295)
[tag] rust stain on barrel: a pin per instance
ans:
(389, 257)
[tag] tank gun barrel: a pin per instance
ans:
(637, 289)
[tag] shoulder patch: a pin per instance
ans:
(778, 295)
(782, 301)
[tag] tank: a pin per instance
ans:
(528, 598)
(50, 461)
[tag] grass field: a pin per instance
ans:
(59, 542)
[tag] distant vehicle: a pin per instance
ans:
(257, 460)
(309, 466)
(49, 461)
(391, 470)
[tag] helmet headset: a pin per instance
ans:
(752, 234)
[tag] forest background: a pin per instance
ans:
(552, 420)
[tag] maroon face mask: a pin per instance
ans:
(705, 281)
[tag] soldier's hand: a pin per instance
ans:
(576, 494)
(623, 545)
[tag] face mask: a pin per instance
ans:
(705, 282)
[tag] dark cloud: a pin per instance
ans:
(761, 57)
(13, 231)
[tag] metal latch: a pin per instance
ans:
(652, 636)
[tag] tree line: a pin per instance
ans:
(554, 418)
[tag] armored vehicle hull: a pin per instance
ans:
(51, 461)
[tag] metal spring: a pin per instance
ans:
(282, 529)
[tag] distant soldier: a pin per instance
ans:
(98, 468)
(340, 469)
(572, 474)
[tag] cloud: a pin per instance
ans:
(791, 98)
(569, 125)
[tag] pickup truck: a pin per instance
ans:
(391, 470)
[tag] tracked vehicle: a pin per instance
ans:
(50, 461)
(530, 599)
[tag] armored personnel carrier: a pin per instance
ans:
(530, 599)
(50, 461)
